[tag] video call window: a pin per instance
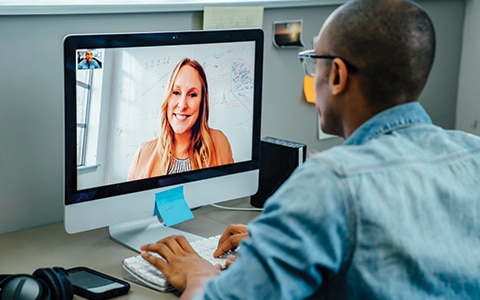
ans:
(89, 59)
(119, 104)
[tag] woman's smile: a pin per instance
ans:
(184, 102)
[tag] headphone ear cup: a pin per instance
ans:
(57, 282)
(21, 287)
(63, 276)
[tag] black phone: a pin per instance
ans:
(95, 285)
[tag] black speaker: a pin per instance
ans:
(43, 284)
(278, 159)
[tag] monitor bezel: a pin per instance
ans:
(147, 39)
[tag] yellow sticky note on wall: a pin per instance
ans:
(308, 89)
(222, 17)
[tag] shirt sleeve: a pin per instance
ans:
(302, 237)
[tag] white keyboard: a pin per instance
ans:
(140, 271)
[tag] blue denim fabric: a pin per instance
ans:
(393, 213)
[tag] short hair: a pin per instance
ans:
(390, 42)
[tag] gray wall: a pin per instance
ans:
(31, 93)
(468, 105)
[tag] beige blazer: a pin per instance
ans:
(146, 162)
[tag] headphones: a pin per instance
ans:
(43, 284)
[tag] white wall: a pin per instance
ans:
(468, 103)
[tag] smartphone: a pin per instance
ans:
(95, 285)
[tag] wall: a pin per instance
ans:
(31, 85)
(283, 94)
(468, 106)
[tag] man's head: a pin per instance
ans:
(89, 56)
(390, 43)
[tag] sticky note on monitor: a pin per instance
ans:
(172, 207)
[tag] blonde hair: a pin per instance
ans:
(202, 153)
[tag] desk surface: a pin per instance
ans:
(48, 246)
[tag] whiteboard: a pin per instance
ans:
(134, 85)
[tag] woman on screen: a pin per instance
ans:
(186, 141)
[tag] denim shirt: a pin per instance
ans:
(393, 213)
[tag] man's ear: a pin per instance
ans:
(338, 76)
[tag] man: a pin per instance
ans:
(394, 212)
(88, 62)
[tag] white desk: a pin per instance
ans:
(48, 246)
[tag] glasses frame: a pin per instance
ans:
(310, 54)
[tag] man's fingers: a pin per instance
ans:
(158, 262)
(177, 244)
(184, 244)
(231, 243)
(224, 247)
(232, 229)
(166, 249)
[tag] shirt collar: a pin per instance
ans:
(388, 120)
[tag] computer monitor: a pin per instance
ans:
(118, 91)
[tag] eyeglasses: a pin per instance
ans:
(308, 57)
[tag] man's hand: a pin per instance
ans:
(180, 264)
(230, 239)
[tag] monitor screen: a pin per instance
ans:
(145, 112)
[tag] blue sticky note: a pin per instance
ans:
(172, 207)
(155, 210)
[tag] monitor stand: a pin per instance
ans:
(134, 234)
